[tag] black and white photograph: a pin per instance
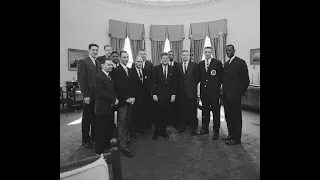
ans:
(160, 89)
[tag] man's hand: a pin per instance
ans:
(116, 102)
(155, 98)
(129, 100)
(173, 97)
(86, 100)
(133, 100)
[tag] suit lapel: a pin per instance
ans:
(212, 65)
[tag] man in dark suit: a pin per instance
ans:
(174, 110)
(211, 76)
(164, 88)
(147, 67)
(123, 90)
(106, 99)
(188, 78)
(107, 51)
(139, 87)
(235, 83)
(87, 69)
(115, 58)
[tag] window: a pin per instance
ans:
(127, 48)
(207, 43)
(166, 45)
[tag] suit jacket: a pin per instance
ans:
(105, 94)
(236, 79)
(148, 70)
(123, 84)
(187, 83)
(210, 81)
(139, 89)
(161, 86)
(86, 71)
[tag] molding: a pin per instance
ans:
(163, 4)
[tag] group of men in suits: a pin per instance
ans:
(164, 94)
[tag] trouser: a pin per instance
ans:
(207, 106)
(88, 122)
(162, 116)
(138, 119)
(104, 133)
(188, 113)
(123, 123)
(233, 116)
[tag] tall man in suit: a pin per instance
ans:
(139, 87)
(235, 83)
(107, 53)
(164, 88)
(87, 69)
(188, 78)
(211, 76)
(106, 100)
(115, 58)
(123, 90)
(174, 112)
(147, 67)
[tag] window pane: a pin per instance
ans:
(166, 45)
(207, 43)
(127, 48)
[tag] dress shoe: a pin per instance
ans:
(149, 126)
(215, 137)
(226, 138)
(232, 142)
(126, 151)
(181, 130)
(154, 137)
(88, 145)
(202, 132)
(165, 135)
(133, 135)
(193, 133)
(141, 132)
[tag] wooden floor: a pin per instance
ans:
(181, 156)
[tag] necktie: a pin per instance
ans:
(207, 64)
(165, 71)
(109, 77)
(126, 70)
(140, 75)
(184, 67)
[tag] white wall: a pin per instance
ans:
(87, 21)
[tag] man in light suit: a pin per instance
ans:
(235, 83)
(106, 100)
(87, 69)
(188, 78)
(107, 53)
(121, 77)
(211, 76)
(164, 88)
(147, 67)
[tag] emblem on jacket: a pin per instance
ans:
(213, 72)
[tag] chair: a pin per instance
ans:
(74, 93)
(92, 166)
(64, 100)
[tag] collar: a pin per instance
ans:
(107, 73)
(232, 58)
(124, 66)
(92, 58)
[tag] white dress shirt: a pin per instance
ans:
(93, 60)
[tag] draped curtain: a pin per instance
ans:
(158, 34)
(117, 33)
(176, 37)
(197, 49)
(117, 44)
(136, 34)
(197, 35)
(218, 38)
(136, 45)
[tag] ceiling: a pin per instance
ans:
(165, 3)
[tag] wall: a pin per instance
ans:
(87, 21)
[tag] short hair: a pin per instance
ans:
(164, 54)
(103, 60)
(231, 46)
(141, 50)
(113, 52)
(90, 45)
(121, 52)
(137, 57)
(171, 51)
(104, 47)
(185, 51)
(208, 47)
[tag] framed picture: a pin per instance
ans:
(255, 56)
(74, 56)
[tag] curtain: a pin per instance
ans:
(196, 48)
(176, 47)
(136, 45)
(117, 44)
(156, 50)
(218, 47)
